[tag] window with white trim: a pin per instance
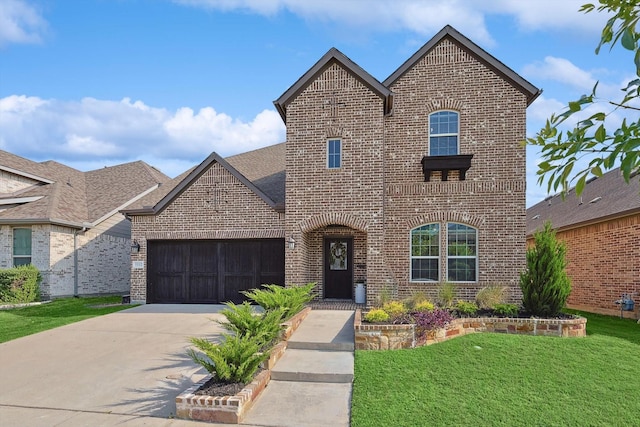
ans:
(334, 153)
(462, 253)
(443, 133)
(21, 246)
(425, 253)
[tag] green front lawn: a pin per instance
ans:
(505, 380)
(19, 322)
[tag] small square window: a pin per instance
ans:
(334, 154)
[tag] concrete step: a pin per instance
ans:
(325, 330)
(314, 366)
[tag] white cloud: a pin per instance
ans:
(20, 23)
(560, 70)
(88, 131)
(423, 17)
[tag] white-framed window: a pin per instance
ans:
(425, 253)
(21, 246)
(334, 153)
(462, 253)
(443, 133)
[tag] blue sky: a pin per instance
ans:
(92, 83)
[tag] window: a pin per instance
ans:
(21, 246)
(462, 253)
(425, 253)
(443, 133)
(334, 153)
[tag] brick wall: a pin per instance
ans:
(215, 206)
(10, 182)
(603, 263)
(491, 199)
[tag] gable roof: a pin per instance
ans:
(603, 198)
(66, 196)
(265, 166)
(529, 90)
(331, 57)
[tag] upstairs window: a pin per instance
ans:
(425, 253)
(334, 153)
(21, 246)
(462, 253)
(443, 133)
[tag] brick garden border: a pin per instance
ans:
(232, 409)
(387, 337)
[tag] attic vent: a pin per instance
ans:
(596, 200)
(536, 216)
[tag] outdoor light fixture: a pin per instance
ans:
(292, 242)
(135, 247)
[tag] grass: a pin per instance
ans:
(505, 380)
(20, 322)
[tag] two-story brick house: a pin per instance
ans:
(404, 184)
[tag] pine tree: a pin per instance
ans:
(545, 284)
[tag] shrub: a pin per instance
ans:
(243, 320)
(505, 309)
(383, 297)
(430, 320)
(446, 294)
(20, 285)
(489, 296)
(291, 299)
(235, 360)
(415, 299)
(376, 315)
(424, 306)
(466, 308)
(545, 284)
(394, 308)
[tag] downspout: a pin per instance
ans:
(75, 260)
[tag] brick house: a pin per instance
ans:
(402, 184)
(67, 223)
(601, 229)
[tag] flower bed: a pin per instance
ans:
(369, 336)
(232, 409)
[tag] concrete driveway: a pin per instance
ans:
(124, 368)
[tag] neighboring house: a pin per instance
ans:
(404, 184)
(67, 223)
(601, 229)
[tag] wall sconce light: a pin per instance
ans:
(135, 247)
(292, 242)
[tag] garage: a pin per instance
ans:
(211, 271)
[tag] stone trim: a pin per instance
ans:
(331, 218)
(269, 233)
(442, 217)
(444, 104)
(454, 187)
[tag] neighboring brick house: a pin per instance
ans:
(404, 184)
(601, 229)
(67, 223)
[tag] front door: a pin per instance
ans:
(338, 268)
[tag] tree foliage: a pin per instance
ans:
(592, 138)
(545, 284)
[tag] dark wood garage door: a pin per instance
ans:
(211, 271)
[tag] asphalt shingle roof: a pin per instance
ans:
(604, 197)
(73, 196)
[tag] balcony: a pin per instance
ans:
(444, 164)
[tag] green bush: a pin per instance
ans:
(489, 296)
(394, 309)
(545, 284)
(291, 299)
(20, 285)
(446, 294)
(415, 298)
(376, 315)
(424, 306)
(466, 308)
(235, 360)
(243, 320)
(505, 309)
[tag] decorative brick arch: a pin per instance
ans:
(448, 216)
(330, 218)
(444, 104)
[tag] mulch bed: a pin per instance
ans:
(215, 388)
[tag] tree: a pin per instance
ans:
(545, 284)
(590, 138)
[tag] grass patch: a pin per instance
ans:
(20, 322)
(504, 380)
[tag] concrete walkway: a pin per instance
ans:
(311, 385)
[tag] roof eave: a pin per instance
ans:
(617, 215)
